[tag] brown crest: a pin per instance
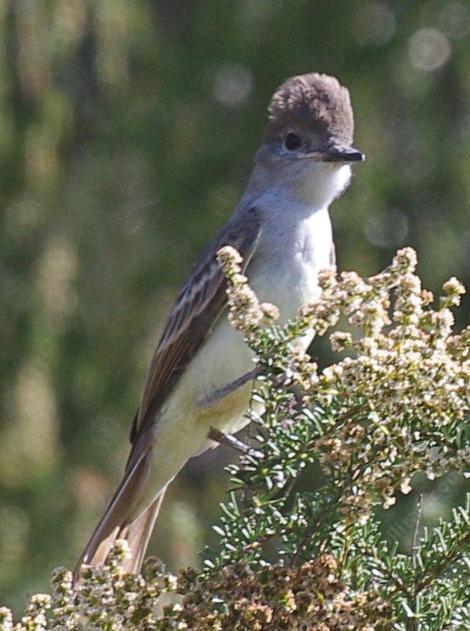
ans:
(313, 102)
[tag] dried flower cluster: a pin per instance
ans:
(246, 312)
(105, 599)
(396, 402)
(310, 596)
(411, 372)
(406, 387)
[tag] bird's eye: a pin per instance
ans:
(292, 141)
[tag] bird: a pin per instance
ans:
(199, 384)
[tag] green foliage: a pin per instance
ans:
(290, 558)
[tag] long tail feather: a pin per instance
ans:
(118, 516)
(138, 534)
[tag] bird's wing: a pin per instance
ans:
(195, 311)
(199, 304)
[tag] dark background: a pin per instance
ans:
(127, 131)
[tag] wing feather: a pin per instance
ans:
(198, 306)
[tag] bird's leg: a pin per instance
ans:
(230, 441)
(215, 434)
(220, 393)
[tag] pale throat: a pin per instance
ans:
(314, 185)
(317, 184)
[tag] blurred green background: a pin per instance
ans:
(127, 131)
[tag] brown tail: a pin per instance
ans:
(118, 521)
(138, 534)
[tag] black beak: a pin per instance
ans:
(343, 154)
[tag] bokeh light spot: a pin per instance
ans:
(429, 49)
(232, 85)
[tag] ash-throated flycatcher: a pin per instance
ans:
(195, 389)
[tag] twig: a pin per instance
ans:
(414, 546)
(414, 624)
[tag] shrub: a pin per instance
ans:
(396, 403)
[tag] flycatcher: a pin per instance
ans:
(195, 388)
